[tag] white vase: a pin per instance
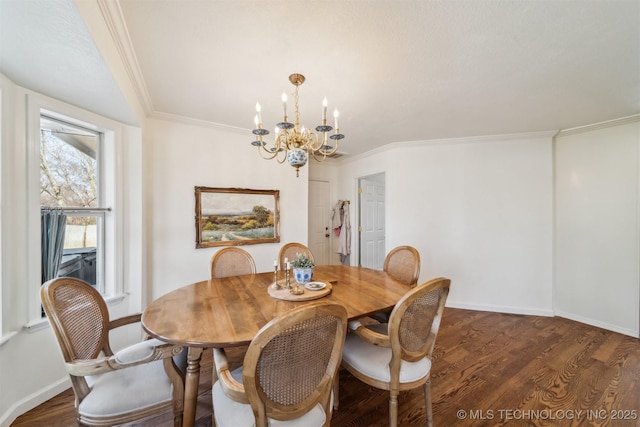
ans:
(297, 157)
(303, 275)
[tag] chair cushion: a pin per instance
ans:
(373, 361)
(128, 389)
(230, 413)
(144, 349)
(137, 352)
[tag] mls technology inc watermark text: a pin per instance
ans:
(548, 414)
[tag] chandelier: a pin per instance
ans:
(294, 143)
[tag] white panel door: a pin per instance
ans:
(372, 223)
(319, 218)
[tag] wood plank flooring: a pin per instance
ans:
(490, 369)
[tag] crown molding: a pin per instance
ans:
(113, 17)
(601, 125)
(200, 123)
(514, 137)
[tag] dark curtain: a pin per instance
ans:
(52, 225)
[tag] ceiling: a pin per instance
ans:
(396, 70)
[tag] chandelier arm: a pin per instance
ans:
(314, 143)
(316, 158)
(267, 157)
(264, 148)
(281, 147)
(330, 152)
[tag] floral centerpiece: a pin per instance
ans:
(302, 268)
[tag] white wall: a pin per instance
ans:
(479, 210)
(596, 242)
(182, 156)
(159, 252)
(25, 345)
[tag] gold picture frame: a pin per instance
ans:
(236, 216)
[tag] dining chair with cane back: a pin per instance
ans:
(403, 263)
(398, 356)
(232, 261)
(287, 373)
(136, 382)
(291, 250)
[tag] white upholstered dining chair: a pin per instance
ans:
(288, 371)
(231, 261)
(397, 356)
(403, 263)
(139, 381)
(291, 250)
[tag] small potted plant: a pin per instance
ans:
(302, 268)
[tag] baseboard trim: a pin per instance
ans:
(546, 313)
(501, 309)
(33, 400)
(598, 324)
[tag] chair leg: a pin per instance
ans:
(336, 390)
(393, 409)
(427, 400)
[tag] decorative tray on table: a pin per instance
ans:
(312, 290)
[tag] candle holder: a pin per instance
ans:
(297, 290)
(276, 285)
(287, 278)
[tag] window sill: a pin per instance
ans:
(115, 299)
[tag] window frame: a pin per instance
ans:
(100, 212)
(110, 190)
(2, 144)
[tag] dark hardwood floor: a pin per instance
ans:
(490, 369)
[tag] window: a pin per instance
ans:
(72, 215)
(99, 220)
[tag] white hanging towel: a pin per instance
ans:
(344, 240)
(336, 218)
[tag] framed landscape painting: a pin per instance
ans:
(236, 216)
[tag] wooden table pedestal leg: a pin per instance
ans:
(191, 383)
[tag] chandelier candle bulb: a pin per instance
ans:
(284, 105)
(335, 118)
(324, 111)
(259, 114)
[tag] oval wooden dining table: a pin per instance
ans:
(228, 312)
